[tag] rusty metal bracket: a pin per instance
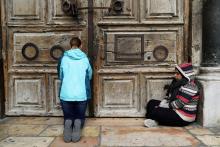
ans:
(83, 8)
(115, 7)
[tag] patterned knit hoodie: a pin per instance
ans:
(187, 96)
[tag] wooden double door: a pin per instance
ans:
(134, 46)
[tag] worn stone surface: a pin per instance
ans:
(210, 140)
(26, 142)
(57, 130)
(24, 130)
(36, 120)
(3, 131)
(53, 130)
(193, 125)
(116, 121)
(200, 131)
(84, 142)
(91, 131)
(138, 136)
(197, 32)
(210, 80)
(216, 130)
(103, 132)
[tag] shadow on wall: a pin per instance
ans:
(2, 100)
(199, 118)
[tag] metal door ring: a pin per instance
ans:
(66, 6)
(54, 48)
(30, 45)
(160, 53)
(117, 6)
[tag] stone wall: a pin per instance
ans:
(202, 52)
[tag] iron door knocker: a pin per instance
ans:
(30, 45)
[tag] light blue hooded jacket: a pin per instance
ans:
(75, 74)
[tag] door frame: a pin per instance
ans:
(91, 50)
(2, 96)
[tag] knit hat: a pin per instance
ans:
(186, 69)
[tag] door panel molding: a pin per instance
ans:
(27, 95)
(54, 107)
(153, 86)
(118, 95)
(58, 17)
(43, 40)
(130, 13)
(162, 11)
(25, 12)
(144, 44)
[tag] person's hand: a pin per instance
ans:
(164, 103)
(166, 87)
(166, 98)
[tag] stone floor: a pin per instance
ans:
(103, 132)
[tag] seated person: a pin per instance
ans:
(179, 108)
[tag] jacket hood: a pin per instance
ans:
(75, 54)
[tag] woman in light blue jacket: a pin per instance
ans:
(75, 73)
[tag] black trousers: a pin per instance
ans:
(164, 116)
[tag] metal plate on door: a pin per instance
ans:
(160, 53)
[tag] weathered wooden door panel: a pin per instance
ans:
(119, 95)
(153, 87)
(54, 107)
(41, 28)
(58, 17)
(43, 41)
(138, 47)
(162, 11)
(27, 94)
(144, 41)
(130, 12)
(25, 12)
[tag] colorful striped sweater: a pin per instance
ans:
(186, 101)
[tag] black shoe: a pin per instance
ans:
(67, 131)
(76, 134)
